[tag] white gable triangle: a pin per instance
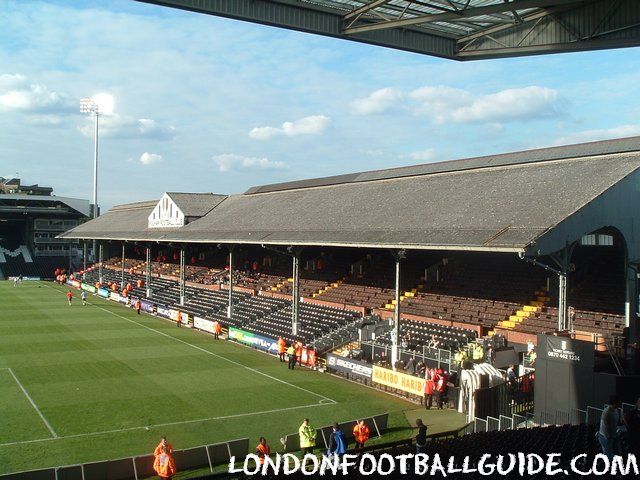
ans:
(166, 214)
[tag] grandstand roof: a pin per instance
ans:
(42, 203)
(455, 29)
(501, 203)
(196, 204)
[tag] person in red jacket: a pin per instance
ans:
(164, 465)
(429, 388)
(69, 297)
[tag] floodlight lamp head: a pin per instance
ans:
(87, 105)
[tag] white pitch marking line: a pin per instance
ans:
(329, 400)
(33, 404)
(105, 432)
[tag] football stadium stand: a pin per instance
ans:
(30, 219)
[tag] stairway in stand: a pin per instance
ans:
(523, 313)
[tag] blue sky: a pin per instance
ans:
(208, 104)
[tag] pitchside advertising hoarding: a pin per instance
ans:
(103, 292)
(267, 344)
(202, 324)
(349, 366)
(163, 312)
(88, 288)
(147, 306)
(399, 381)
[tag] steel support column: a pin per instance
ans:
(631, 318)
(84, 258)
(562, 302)
(122, 281)
(100, 259)
(147, 281)
(296, 291)
(182, 277)
(395, 331)
(230, 307)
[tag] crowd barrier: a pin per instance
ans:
(377, 425)
(139, 467)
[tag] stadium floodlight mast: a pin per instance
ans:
(101, 103)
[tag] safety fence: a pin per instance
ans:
(139, 467)
(431, 357)
(576, 416)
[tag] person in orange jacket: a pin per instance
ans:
(137, 306)
(164, 465)
(298, 348)
(69, 296)
(262, 450)
(163, 443)
(282, 348)
(361, 433)
(217, 329)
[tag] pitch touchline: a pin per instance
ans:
(129, 429)
(208, 352)
(33, 404)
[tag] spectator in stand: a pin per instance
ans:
(443, 388)
(512, 381)
(291, 352)
(429, 388)
(163, 443)
(69, 297)
(164, 465)
(255, 266)
(299, 353)
(420, 369)
(421, 437)
(361, 433)
(262, 450)
(337, 442)
(307, 437)
(608, 433)
(411, 366)
(282, 348)
(632, 421)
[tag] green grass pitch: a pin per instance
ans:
(95, 382)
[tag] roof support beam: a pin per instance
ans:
(472, 12)
(364, 9)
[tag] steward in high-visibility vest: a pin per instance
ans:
(217, 329)
(291, 353)
(307, 437)
(262, 450)
(164, 465)
(361, 433)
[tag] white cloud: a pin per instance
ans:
(427, 155)
(620, 131)
(18, 94)
(444, 104)
(313, 125)
(510, 104)
(149, 158)
(117, 126)
(230, 161)
(379, 101)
